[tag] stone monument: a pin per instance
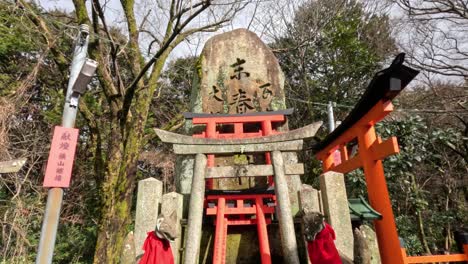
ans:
(236, 74)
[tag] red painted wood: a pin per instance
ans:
(257, 213)
(371, 152)
(239, 119)
(262, 232)
(219, 254)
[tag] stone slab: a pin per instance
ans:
(309, 198)
(251, 170)
(366, 249)
(239, 74)
(293, 145)
(214, 91)
(336, 209)
(183, 174)
(147, 210)
(12, 166)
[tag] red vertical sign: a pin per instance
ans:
(61, 157)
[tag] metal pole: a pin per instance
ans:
(55, 195)
(331, 118)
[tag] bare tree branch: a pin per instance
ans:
(437, 31)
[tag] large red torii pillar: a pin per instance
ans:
(372, 150)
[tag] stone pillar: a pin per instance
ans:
(173, 203)
(309, 198)
(336, 209)
(183, 175)
(147, 209)
(195, 217)
(285, 219)
(294, 182)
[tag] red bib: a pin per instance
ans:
(322, 250)
(157, 250)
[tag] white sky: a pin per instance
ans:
(114, 16)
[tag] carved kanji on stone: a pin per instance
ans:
(242, 102)
(239, 70)
(238, 74)
(216, 94)
(266, 91)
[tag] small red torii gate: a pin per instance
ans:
(371, 151)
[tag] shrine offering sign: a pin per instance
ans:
(61, 157)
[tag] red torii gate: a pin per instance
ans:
(372, 108)
(371, 152)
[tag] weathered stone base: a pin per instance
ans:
(128, 251)
(336, 209)
(147, 210)
(366, 249)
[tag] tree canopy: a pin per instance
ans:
(329, 53)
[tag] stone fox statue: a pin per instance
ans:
(166, 226)
(320, 236)
(157, 246)
(313, 223)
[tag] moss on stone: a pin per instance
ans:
(241, 159)
(220, 77)
(195, 95)
(199, 66)
(277, 104)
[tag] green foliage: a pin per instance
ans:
(75, 243)
(356, 183)
(330, 54)
(332, 51)
(17, 48)
(421, 180)
(16, 33)
(32, 82)
(406, 230)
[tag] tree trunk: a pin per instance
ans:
(113, 229)
(116, 200)
(119, 181)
